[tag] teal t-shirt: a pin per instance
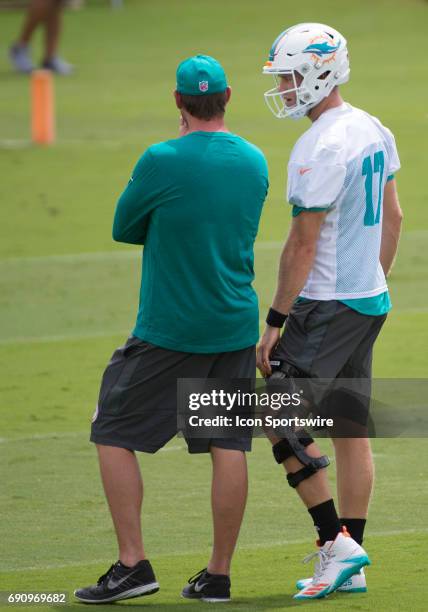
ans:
(195, 204)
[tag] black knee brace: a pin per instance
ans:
(294, 446)
(294, 442)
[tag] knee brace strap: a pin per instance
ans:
(316, 463)
(295, 446)
(283, 450)
(297, 477)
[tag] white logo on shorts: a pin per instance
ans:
(95, 415)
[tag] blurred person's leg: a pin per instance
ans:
(19, 53)
(38, 12)
(53, 26)
(49, 13)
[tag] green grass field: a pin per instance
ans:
(63, 280)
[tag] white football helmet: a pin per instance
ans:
(318, 55)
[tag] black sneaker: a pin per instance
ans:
(213, 588)
(120, 582)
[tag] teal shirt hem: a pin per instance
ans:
(375, 306)
(172, 345)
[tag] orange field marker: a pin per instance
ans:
(42, 107)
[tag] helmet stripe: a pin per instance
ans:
(275, 42)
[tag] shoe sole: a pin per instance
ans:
(214, 600)
(206, 599)
(140, 591)
(300, 586)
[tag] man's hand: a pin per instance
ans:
(268, 342)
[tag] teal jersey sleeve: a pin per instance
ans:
(296, 210)
(136, 203)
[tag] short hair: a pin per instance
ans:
(206, 107)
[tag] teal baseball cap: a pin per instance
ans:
(200, 75)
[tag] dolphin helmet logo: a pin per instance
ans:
(321, 49)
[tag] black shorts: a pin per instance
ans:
(328, 340)
(137, 405)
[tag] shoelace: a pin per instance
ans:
(108, 573)
(194, 579)
(323, 560)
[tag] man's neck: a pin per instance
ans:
(198, 125)
(331, 101)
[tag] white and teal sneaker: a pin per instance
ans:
(355, 584)
(338, 561)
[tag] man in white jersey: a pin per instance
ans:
(331, 284)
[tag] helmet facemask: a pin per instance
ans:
(279, 101)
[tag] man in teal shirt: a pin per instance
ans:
(194, 202)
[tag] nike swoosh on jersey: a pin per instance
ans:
(304, 170)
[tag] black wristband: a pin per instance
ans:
(275, 318)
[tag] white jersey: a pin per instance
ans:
(342, 164)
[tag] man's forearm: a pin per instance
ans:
(294, 267)
(129, 225)
(389, 247)
(391, 227)
(123, 234)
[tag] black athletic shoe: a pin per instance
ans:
(120, 582)
(214, 588)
